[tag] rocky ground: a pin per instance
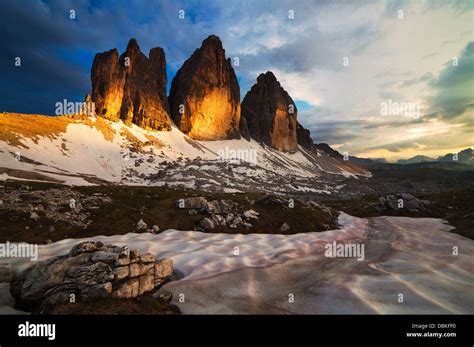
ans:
(43, 212)
(113, 210)
(38, 212)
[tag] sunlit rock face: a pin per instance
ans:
(205, 95)
(271, 114)
(132, 87)
(108, 79)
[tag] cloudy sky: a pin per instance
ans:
(388, 79)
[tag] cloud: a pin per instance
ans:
(426, 77)
(454, 87)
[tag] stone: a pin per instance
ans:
(132, 87)
(141, 225)
(97, 291)
(128, 290)
(237, 220)
(165, 296)
(146, 284)
(34, 216)
(230, 217)
(218, 219)
(284, 228)
(5, 272)
(271, 114)
(196, 203)
(134, 270)
(104, 257)
(121, 272)
(251, 214)
(147, 258)
(163, 270)
(83, 247)
(122, 261)
(205, 95)
(91, 270)
(144, 268)
(207, 224)
(411, 203)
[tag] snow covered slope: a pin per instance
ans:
(409, 256)
(83, 151)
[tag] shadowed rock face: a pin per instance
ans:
(304, 136)
(271, 114)
(131, 87)
(205, 95)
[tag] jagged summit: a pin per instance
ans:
(204, 99)
(132, 87)
(271, 114)
(205, 95)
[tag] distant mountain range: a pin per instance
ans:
(464, 156)
(457, 160)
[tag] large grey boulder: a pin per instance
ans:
(90, 271)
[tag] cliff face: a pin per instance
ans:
(132, 87)
(271, 114)
(304, 136)
(205, 95)
(108, 79)
(204, 99)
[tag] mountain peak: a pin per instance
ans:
(133, 46)
(271, 114)
(205, 94)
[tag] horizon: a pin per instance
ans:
(340, 73)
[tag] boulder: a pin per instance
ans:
(284, 228)
(90, 271)
(207, 224)
(196, 203)
(405, 200)
(251, 214)
(141, 225)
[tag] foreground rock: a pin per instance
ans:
(89, 272)
(205, 95)
(220, 213)
(400, 202)
(271, 114)
(131, 87)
